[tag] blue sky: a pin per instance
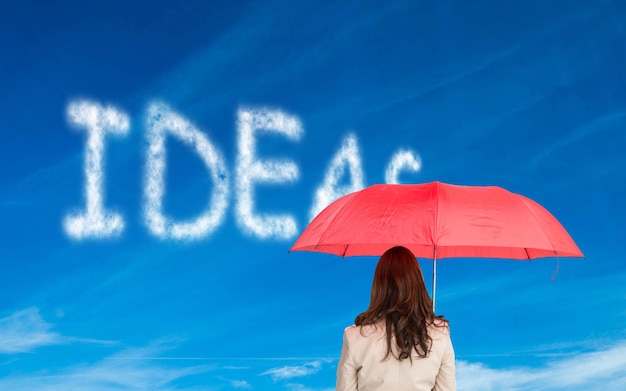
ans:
(529, 97)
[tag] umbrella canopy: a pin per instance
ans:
(437, 220)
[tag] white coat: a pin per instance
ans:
(361, 366)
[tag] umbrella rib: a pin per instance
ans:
(336, 214)
(541, 227)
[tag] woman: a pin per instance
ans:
(397, 343)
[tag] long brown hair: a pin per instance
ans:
(399, 298)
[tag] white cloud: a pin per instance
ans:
(347, 158)
(95, 221)
(26, 330)
(291, 371)
(476, 376)
(161, 122)
(251, 170)
(403, 160)
(582, 371)
(240, 384)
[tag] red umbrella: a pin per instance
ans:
(437, 220)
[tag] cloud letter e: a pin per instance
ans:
(250, 170)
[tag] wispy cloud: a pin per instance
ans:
(26, 191)
(26, 330)
(602, 369)
(238, 384)
(130, 369)
(302, 387)
(608, 122)
(114, 373)
(291, 371)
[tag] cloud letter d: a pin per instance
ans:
(162, 121)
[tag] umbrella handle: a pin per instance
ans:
(434, 275)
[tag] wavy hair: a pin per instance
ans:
(400, 300)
